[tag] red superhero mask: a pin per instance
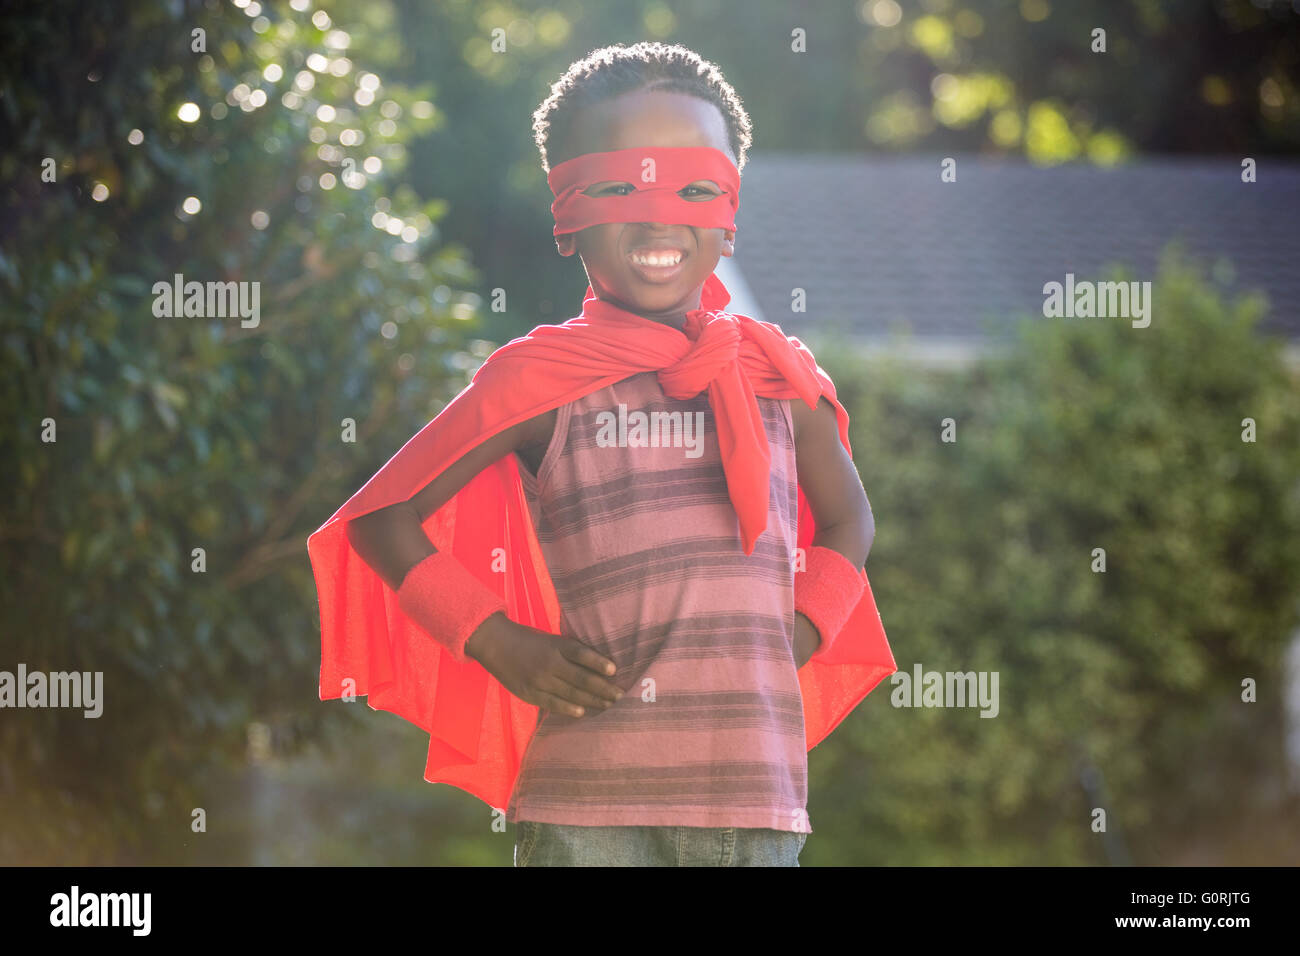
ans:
(657, 175)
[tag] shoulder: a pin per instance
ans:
(810, 421)
(802, 417)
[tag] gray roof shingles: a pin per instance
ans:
(881, 243)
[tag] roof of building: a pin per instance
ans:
(881, 245)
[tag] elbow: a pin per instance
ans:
(356, 533)
(364, 529)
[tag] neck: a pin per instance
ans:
(676, 321)
(673, 317)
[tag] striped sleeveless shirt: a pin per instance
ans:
(644, 549)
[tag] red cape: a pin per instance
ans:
(478, 731)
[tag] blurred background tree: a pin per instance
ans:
(255, 150)
(1088, 434)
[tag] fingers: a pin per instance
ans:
(572, 683)
(585, 680)
(574, 694)
(580, 653)
(582, 669)
(551, 702)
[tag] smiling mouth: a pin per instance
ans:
(657, 267)
(657, 259)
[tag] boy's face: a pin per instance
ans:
(654, 119)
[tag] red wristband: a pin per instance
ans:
(447, 601)
(827, 592)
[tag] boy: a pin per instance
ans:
(673, 713)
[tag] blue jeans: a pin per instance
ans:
(558, 844)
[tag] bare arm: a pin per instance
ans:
(831, 484)
(836, 497)
(392, 541)
(557, 674)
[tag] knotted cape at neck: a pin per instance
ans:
(478, 729)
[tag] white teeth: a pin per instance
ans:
(669, 259)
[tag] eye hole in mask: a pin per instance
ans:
(597, 188)
(701, 191)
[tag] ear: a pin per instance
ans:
(728, 243)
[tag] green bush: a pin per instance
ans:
(1087, 433)
(182, 433)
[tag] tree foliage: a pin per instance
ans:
(1120, 689)
(184, 433)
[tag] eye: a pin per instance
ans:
(697, 193)
(607, 189)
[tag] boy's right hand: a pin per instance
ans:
(554, 673)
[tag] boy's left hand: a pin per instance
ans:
(806, 640)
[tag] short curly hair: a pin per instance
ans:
(614, 70)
